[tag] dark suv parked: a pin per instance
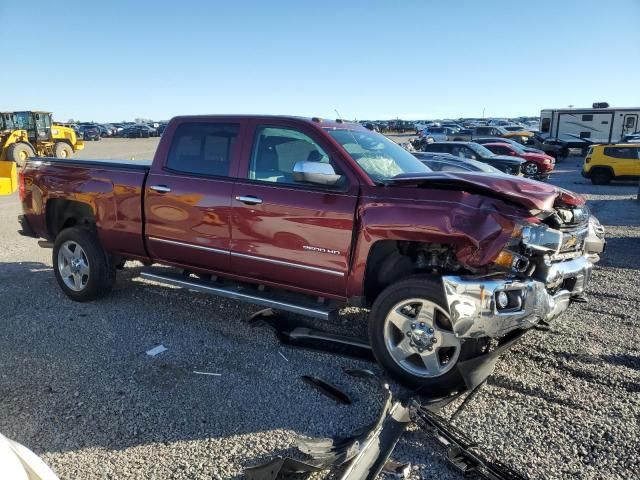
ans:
(475, 151)
(89, 132)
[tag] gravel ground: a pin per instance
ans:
(77, 387)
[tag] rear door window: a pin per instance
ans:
(500, 150)
(545, 126)
(466, 152)
(203, 148)
(629, 153)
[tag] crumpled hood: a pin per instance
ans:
(531, 194)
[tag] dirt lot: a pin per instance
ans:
(77, 387)
(120, 149)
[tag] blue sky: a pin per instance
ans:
(117, 60)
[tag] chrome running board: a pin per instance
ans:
(245, 294)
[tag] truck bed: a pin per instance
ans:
(143, 165)
(112, 190)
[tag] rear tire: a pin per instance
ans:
(431, 369)
(20, 153)
(81, 266)
(600, 176)
(63, 150)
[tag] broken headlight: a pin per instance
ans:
(541, 238)
(530, 238)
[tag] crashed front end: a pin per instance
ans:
(544, 267)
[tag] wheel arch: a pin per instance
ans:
(63, 213)
(389, 261)
(607, 168)
(63, 140)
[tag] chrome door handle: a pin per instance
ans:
(160, 188)
(249, 199)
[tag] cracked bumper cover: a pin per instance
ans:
(473, 307)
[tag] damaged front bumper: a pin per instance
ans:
(494, 306)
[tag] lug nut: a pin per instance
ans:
(420, 349)
(408, 334)
(429, 347)
(434, 340)
(413, 325)
(430, 330)
(422, 324)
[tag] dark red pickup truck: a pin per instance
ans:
(308, 215)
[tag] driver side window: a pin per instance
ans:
(466, 152)
(277, 150)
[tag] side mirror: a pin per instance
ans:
(315, 172)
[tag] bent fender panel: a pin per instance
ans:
(477, 232)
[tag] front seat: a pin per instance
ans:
(266, 166)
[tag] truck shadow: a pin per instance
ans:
(76, 375)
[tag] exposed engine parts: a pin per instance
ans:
(433, 257)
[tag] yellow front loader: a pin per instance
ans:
(30, 134)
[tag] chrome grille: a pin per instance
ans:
(573, 240)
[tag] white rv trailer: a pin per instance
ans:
(582, 126)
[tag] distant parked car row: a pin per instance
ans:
(442, 133)
(475, 151)
(502, 154)
(95, 131)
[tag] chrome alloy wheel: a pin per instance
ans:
(530, 168)
(419, 337)
(73, 266)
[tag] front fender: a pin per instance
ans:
(476, 227)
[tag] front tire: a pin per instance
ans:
(81, 266)
(412, 337)
(600, 176)
(63, 150)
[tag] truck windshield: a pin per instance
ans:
(380, 158)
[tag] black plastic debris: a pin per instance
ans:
(294, 333)
(337, 451)
(327, 389)
(279, 467)
(377, 448)
(367, 451)
(462, 452)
